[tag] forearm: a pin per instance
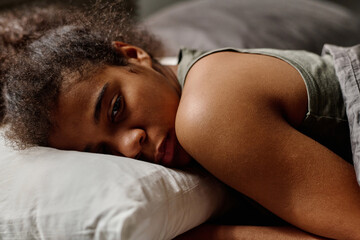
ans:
(220, 232)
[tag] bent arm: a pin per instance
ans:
(241, 134)
(225, 232)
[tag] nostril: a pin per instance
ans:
(116, 153)
(138, 156)
(142, 139)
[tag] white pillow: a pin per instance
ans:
(51, 194)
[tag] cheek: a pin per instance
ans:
(160, 109)
(158, 95)
(169, 110)
(155, 100)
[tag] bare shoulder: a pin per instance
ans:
(227, 91)
(223, 94)
(239, 78)
(236, 118)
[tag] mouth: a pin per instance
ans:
(165, 152)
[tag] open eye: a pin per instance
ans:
(118, 107)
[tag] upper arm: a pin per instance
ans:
(228, 232)
(235, 126)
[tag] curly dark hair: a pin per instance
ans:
(20, 26)
(60, 53)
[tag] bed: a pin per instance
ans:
(51, 194)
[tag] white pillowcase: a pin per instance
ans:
(51, 194)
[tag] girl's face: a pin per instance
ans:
(127, 111)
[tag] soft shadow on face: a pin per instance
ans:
(127, 111)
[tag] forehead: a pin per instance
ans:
(74, 117)
(75, 111)
(83, 93)
(79, 96)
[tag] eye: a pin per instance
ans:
(118, 107)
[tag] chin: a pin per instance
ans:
(181, 158)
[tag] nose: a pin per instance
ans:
(130, 143)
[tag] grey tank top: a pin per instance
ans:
(326, 120)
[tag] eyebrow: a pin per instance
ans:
(99, 103)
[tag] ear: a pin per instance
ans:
(132, 53)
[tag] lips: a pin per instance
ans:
(161, 152)
(165, 153)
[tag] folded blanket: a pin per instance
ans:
(347, 67)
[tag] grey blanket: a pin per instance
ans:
(347, 66)
(278, 24)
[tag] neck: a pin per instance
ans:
(172, 68)
(170, 72)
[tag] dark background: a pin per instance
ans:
(146, 7)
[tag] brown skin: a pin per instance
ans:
(226, 232)
(245, 115)
(145, 113)
(241, 114)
